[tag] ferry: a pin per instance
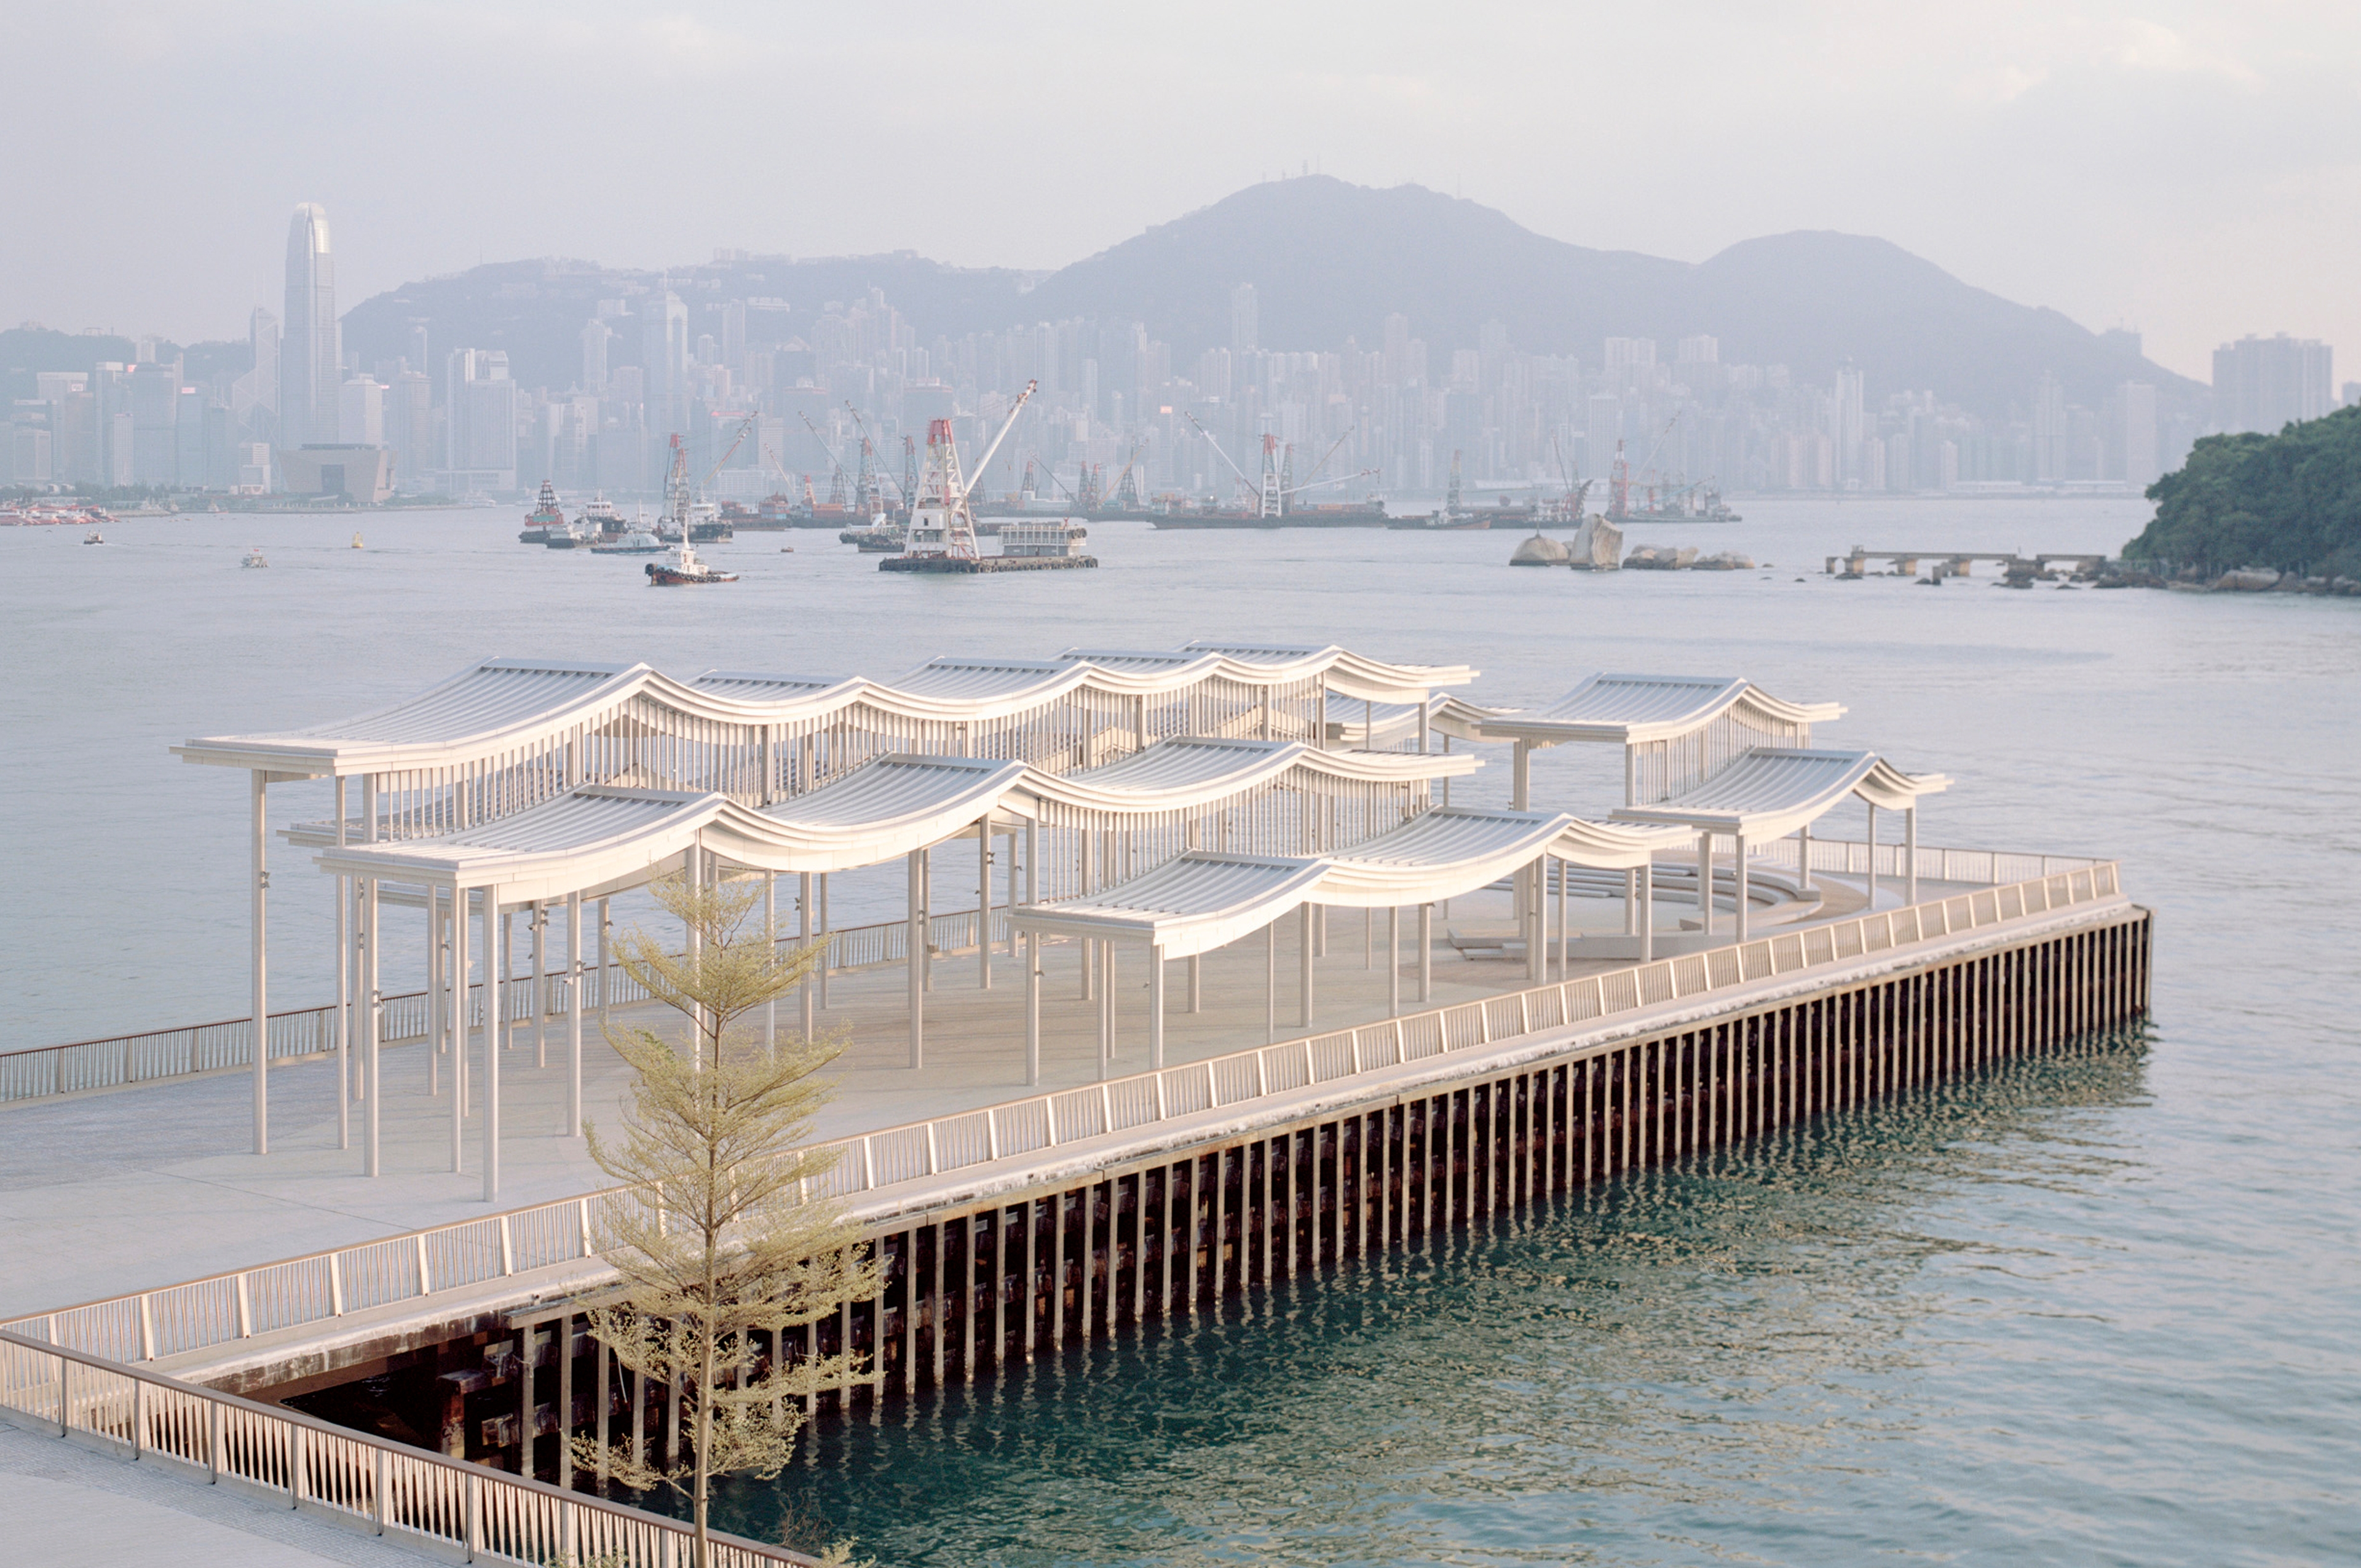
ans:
(600, 518)
(638, 540)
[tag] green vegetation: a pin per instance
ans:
(2290, 502)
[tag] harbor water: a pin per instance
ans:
(2096, 1308)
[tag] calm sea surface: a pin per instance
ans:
(2099, 1309)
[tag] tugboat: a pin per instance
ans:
(687, 572)
(545, 521)
(93, 537)
(254, 558)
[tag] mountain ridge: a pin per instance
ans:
(1330, 260)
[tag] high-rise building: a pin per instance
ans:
(311, 347)
(2263, 383)
(1700, 349)
(155, 389)
(2049, 435)
(409, 427)
(1245, 324)
(595, 334)
(254, 397)
(360, 422)
(2136, 409)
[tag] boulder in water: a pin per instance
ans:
(1541, 550)
(1597, 544)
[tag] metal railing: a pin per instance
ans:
(446, 1508)
(302, 1291)
(306, 1033)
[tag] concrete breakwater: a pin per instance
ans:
(984, 1276)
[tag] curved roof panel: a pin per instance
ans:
(1772, 791)
(1631, 708)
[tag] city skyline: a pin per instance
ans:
(2169, 170)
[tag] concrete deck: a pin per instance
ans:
(65, 1506)
(147, 1186)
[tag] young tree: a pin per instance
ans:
(724, 1243)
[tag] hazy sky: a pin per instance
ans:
(2193, 170)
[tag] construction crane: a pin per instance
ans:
(745, 428)
(909, 474)
(1125, 494)
(945, 488)
(1574, 496)
(835, 495)
(1620, 493)
(869, 487)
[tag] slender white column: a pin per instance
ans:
(493, 1012)
(1705, 882)
(1536, 921)
(1270, 983)
(1873, 857)
(770, 935)
(1520, 790)
(1196, 982)
(1032, 954)
(1565, 948)
(1425, 720)
(1738, 865)
(573, 1015)
(1155, 1006)
(823, 933)
(1910, 853)
(373, 1007)
(261, 969)
(539, 916)
(507, 967)
(1648, 911)
(804, 936)
(606, 923)
(344, 989)
(1106, 1006)
(926, 916)
(1393, 962)
(1304, 921)
(1804, 857)
(1425, 954)
(459, 984)
(984, 905)
(434, 990)
(917, 941)
(1630, 901)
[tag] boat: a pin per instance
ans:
(942, 535)
(600, 518)
(705, 525)
(356, 542)
(545, 520)
(687, 572)
(1460, 521)
(633, 542)
(93, 537)
(880, 538)
(254, 558)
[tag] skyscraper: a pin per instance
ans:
(311, 350)
(1245, 324)
(2262, 383)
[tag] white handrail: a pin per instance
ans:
(367, 1484)
(223, 1308)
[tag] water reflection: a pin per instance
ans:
(1697, 1363)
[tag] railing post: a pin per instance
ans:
(213, 1441)
(383, 1504)
(294, 1465)
(1107, 1109)
(869, 1159)
(425, 1280)
(138, 1419)
(475, 1514)
(992, 1134)
(245, 1309)
(147, 1328)
(930, 1147)
(1050, 1120)
(335, 1285)
(508, 1249)
(65, 1396)
(582, 1215)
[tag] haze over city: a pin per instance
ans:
(2182, 169)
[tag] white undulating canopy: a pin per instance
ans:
(1628, 709)
(1772, 791)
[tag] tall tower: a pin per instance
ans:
(311, 346)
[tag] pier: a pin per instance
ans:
(1146, 1073)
